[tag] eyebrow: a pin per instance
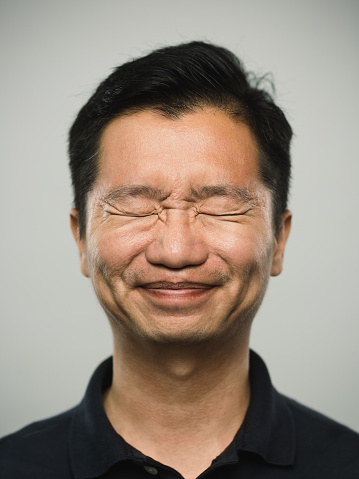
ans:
(224, 190)
(128, 191)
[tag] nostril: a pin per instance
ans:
(175, 259)
(176, 254)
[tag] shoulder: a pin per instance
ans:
(324, 443)
(39, 450)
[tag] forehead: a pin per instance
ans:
(203, 147)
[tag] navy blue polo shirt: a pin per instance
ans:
(279, 438)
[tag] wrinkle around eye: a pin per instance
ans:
(131, 214)
(130, 209)
(225, 215)
(111, 211)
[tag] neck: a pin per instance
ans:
(179, 404)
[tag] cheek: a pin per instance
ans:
(110, 253)
(244, 250)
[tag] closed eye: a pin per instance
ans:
(131, 214)
(220, 215)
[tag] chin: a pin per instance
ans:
(184, 338)
(180, 333)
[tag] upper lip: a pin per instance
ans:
(176, 285)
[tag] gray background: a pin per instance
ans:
(53, 54)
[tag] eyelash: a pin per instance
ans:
(131, 215)
(223, 214)
(153, 213)
(226, 214)
(156, 213)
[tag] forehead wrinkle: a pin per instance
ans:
(225, 190)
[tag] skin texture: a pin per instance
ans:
(179, 246)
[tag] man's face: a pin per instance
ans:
(179, 241)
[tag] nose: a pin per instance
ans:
(178, 241)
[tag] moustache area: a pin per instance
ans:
(159, 279)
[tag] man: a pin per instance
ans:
(180, 169)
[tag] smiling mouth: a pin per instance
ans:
(182, 286)
(165, 293)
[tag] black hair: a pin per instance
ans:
(175, 80)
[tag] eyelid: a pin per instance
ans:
(132, 214)
(241, 213)
(113, 210)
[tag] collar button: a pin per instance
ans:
(151, 470)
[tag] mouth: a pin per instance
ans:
(167, 285)
(171, 292)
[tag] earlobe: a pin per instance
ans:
(281, 239)
(81, 242)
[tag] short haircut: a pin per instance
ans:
(173, 81)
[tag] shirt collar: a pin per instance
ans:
(268, 428)
(94, 444)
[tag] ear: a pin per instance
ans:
(81, 242)
(280, 242)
